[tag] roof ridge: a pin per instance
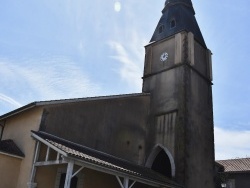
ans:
(233, 159)
(97, 97)
(70, 100)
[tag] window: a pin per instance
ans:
(231, 183)
(73, 182)
(76, 181)
(172, 23)
(161, 28)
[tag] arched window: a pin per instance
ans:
(161, 160)
(161, 28)
(172, 23)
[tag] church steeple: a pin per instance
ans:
(178, 76)
(177, 15)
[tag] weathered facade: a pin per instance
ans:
(103, 124)
(162, 137)
(180, 84)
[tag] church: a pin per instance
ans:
(162, 137)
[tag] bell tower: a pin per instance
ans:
(178, 75)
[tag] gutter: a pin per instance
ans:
(115, 172)
(19, 110)
(11, 155)
(236, 172)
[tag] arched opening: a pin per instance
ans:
(161, 28)
(162, 164)
(172, 23)
(161, 161)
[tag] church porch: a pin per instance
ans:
(63, 164)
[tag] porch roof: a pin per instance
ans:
(103, 161)
(8, 147)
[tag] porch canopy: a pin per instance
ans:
(126, 173)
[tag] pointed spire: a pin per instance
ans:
(187, 3)
(178, 1)
(177, 15)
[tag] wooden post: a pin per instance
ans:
(125, 182)
(132, 184)
(58, 156)
(31, 183)
(77, 171)
(47, 153)
(69, 174)
(119, 181)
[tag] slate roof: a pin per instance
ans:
(103, 159)
(236, 165)
(184, 15)
(9, 147)
(187, 2)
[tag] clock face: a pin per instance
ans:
(164, 56)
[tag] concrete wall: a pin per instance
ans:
(199, 132)
(181, 92)
(18, 129)
(9, 171)
(115, 126)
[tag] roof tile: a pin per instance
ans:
(236, 165)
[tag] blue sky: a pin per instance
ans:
(73, 48)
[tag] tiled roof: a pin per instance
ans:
(102, 159)
(90, 158)
(9, 147)
(236, 165)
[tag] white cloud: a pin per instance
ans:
(127, 43)
(130, 53)
(9, 100)
(231, 143)
(43, 79)
(130, 71)
(58, 78)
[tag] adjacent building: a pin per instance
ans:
(234, 173)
